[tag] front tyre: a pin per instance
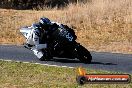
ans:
(46, 56)
(83, 54)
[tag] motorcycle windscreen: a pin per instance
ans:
(25, 31)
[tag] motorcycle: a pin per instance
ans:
(62, 43)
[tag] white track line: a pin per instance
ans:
(31, 62)
(38, 63)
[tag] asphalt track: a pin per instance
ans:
(101, 60)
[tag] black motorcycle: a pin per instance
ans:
(62, 43)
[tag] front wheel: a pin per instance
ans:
(47, 55)
(83, 54)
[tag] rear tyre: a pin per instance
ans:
(84, 55)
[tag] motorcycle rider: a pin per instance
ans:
(37, 39)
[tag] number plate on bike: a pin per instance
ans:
(66, 34)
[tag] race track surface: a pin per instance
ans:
(101, 60)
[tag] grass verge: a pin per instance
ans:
(29, 75)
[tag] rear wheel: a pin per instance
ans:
(83, 54)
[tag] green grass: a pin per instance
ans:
(29, 75)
